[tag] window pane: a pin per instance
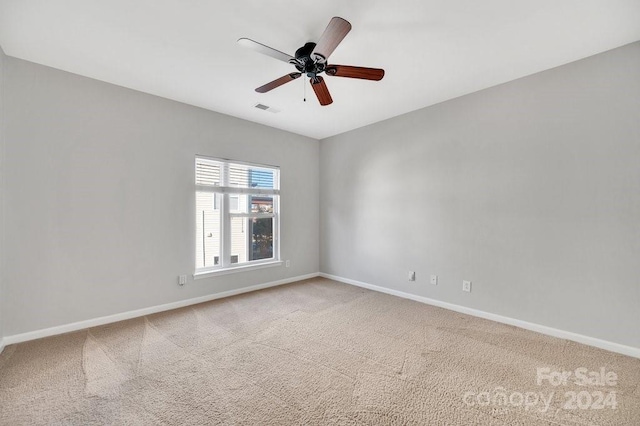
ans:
(207, 230)
(261, 178)
(261, 238)
(261, 204)
(244, 176)
(234, 204)
(251, 239)
(239, 239)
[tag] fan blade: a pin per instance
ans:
(278, 82)
(265, 50)
(355, 72)
(321, 90)
(331, 37)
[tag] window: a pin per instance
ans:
(236, 214)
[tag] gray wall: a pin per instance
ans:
(99, 189)
(530, 189)
(2, 125)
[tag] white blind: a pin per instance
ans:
(216, 175)
(208, 172)
(244, 176)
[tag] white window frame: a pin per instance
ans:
(224, 192)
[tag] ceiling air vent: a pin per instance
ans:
(266, 108)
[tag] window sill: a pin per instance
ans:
(233, 270)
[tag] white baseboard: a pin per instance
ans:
(591, 341)
(1, 344)
(80, 325)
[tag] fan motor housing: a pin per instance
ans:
(305, 63)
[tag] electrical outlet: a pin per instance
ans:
(466, 286)
(182, 280)
(434, 279)
(287, 263)
(412, 276)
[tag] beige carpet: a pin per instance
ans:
(310, 353)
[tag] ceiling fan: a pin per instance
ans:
(311, 59)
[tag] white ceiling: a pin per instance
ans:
(432, 50)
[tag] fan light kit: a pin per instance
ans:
(311, 59)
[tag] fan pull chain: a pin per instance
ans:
(304, 90)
